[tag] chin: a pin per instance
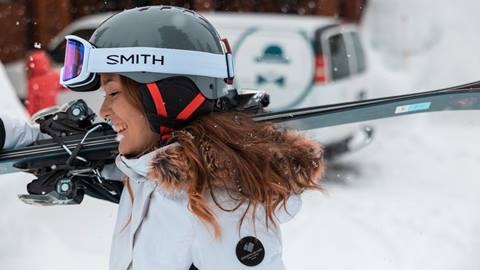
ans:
(129, 151)
(124, 149)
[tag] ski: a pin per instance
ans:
(464, 97)
(68, 165)
(14, 160)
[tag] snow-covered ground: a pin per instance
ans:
(408, 201)
(31, 237)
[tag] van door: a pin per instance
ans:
(357, 64)
(342, 62)
(336, 79)
(278, 61)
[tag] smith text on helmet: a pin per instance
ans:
(115, 59)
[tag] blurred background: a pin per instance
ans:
(401, 193)
(26, 23)
(28, 26)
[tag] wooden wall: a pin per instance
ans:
(25, 24)
(13, 30)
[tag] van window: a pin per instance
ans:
(320, 36)
(339, 67)
(359, 53)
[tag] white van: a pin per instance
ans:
(300, 61)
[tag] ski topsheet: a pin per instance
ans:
(463, 97)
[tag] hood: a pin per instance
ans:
(138, 168)
(169, 167)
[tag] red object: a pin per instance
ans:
(191, 107)
(227, 45)
(157, 99)
(162, 111)
(43, 82)
(160, 106)
(320, 69)
(229, 51)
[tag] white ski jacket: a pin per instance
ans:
(17, 132)
(157, 230)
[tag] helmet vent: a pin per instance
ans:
(144, 8)
(165, 7)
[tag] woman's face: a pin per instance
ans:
(134, 133)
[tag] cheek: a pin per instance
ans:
(125, 111)
(138, 122)
(118, 107)
(138, 125)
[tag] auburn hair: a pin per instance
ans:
(254, 163)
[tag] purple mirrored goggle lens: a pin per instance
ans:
(74, 53)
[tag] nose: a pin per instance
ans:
(105, 109)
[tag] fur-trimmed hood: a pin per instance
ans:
(169, 166)
(301, 163)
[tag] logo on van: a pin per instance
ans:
(283, 65)
(279, 80)
(273, 54)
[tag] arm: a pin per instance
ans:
(16, 132)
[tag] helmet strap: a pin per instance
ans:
(167, 93)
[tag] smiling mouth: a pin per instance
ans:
(119, 128)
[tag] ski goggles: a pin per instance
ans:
(83, 62)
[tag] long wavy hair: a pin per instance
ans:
(254, 163)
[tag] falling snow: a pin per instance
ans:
(409, 201)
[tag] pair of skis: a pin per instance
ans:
(463, 97)
(46, 157)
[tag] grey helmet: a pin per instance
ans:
(166, 27)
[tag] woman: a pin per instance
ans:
(197, 193)
(202, 185)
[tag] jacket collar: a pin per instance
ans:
(135, 168)
(138, 168)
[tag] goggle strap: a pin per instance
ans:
(158, 60)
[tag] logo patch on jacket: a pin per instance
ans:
(250, 251)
